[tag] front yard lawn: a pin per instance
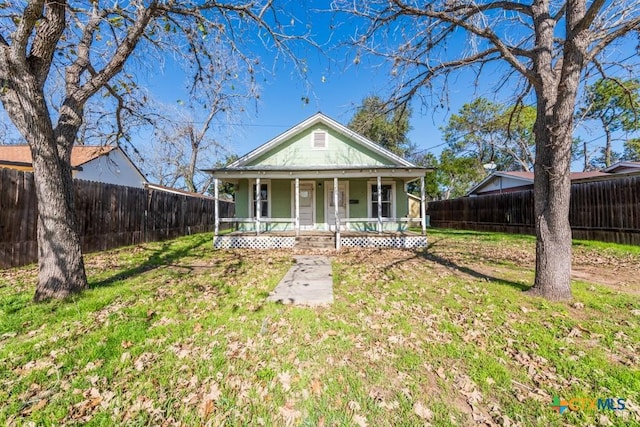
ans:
(176, 333)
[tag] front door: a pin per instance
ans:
(306, 205)
(329, 209)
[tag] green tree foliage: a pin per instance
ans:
(616, 105)
(453, 176)
(386, 127)
(492, 132)
(632, 150)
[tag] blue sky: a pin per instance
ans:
(335, 86)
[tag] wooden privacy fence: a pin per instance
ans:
(108, 215)
(606, 210)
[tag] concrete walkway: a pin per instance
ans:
(308, 282)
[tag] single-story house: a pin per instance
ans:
(321, 178)
(508, 182)
(623, 167)
(108, 164)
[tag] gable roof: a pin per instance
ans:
(623, 167)
(314, 120)
(81, 154)
(526, 178)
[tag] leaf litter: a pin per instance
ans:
(376, 355)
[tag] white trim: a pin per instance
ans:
(365, 171)
(327, 197)
(393, 197)
(266, 182)
(313, 207)
(330, 123)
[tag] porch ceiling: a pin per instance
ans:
(318, 172)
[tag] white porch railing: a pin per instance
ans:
(346, 224)
(260, 225)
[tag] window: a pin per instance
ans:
(387, 200)
(341, 198)
(264, 199)
(319, 141)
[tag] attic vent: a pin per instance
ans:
(319, 140)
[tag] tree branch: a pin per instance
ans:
(588, 17)
(122, 52)
(604, 42)
(20, 37)
(47, 36)
(507, 53)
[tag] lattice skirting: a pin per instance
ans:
(253, 242)
(404, 242)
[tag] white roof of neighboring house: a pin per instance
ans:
(526, 178)
(623, 167)
(176, 191)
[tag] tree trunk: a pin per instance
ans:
(552, 188)
(60, 259)
(61, 267)
(607, 147)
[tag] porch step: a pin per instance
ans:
(315, 242)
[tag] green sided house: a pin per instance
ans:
(320, 179)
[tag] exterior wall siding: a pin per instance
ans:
(281, 198)
(340, 151)
(113, 168)
(358, 191)
(402, 200)
(242, 199)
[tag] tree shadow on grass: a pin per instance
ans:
(166, 255)
(428, 255)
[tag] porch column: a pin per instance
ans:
(297, 206)
(216, 227)
(336, 211)
(379, 204)
(258, 205)
(423, 207)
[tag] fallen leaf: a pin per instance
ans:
(289, 414)
(359, 420)
(285, 380)
(316, 387)
(422, 411)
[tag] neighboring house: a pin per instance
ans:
(321, 177)
(508, 182)
(108, 164)
(623, 167)
(164, 189)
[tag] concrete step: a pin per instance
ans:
(315, 242)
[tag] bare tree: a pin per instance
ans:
(92, 46)
(191, 136)
(548, 46)
(182, 149)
